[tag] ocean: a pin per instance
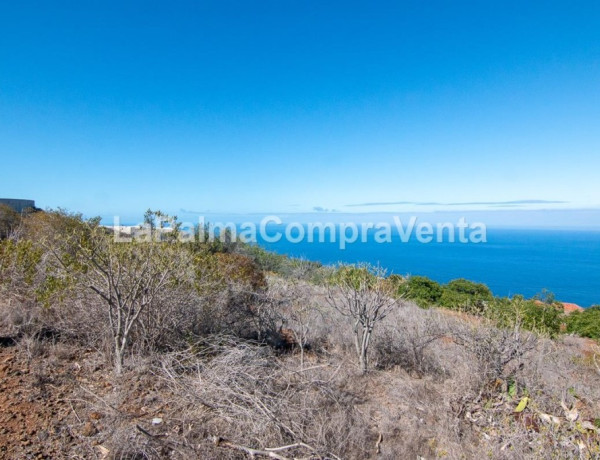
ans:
(512, 261)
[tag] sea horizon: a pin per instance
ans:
(511, 261)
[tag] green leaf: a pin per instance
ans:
(512, 389)
(522, 404)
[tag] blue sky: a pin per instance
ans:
(297, 106)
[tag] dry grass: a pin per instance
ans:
(441, 387)
(244, 393)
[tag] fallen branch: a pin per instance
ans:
(291, 446)
(181, 448)
(107, 404)
(270, 452)
(219, 442)
(75, 412)
(378, 444)
(150, 435)
(314, 367)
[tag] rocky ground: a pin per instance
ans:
(36, 416)
(59, 402)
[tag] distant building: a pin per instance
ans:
(567, 307)
(18, 205)
(571, 307)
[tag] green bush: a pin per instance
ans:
(545, 296)
(266, 260)
(459, 294)
(585, 323)
(355, 276)
(465, 295)
(286, 266)
(537, 317)
(9, 220)
(423, 291)
(19, 261)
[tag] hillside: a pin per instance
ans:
(160, 349)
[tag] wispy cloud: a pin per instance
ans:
(322, 209)
(462, 203)
(188, 211)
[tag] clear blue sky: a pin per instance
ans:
(286, 106)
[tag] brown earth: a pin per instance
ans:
(59, 401)
(35, 416)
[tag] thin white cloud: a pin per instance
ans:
(514, 203)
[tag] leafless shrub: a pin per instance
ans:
(17, 318)
(301, 317)
(176, 314)
(405, 340)
(361, 294)
(31, 346)
(250, 398)
(498, 353)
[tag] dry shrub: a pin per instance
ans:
(406, 340)
(497, 354)
(503, 368)
(243, 393)
(167, 323)
(443, 386)
(17, 319)
(240, 269)
(301, 323)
